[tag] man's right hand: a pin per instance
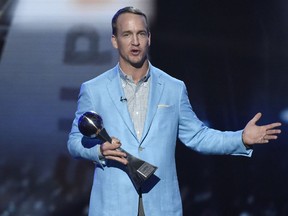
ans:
(110, 151)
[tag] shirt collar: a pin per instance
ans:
(129, 78)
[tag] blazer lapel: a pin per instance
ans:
(115, 92)
(156, 90)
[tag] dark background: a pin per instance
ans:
(232, 56)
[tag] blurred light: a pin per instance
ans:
(284, 115)
(56, 13)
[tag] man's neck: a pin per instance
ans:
(136, 73)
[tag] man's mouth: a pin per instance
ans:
(135, 51)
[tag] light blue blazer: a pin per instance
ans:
(169, 116)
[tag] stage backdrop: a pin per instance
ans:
(50, 48)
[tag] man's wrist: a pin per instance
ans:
(247, 146)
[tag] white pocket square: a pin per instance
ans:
(163, 105)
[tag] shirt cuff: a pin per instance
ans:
(100, 156)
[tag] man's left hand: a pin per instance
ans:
(254, 134)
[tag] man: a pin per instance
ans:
(147, 110)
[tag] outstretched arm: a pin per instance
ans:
(254, 134)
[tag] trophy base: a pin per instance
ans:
(138, 170)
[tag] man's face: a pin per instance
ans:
(132, 40)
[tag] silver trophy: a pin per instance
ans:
(90, 125)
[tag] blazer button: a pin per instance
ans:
(140, 148)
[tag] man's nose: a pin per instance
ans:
(135, 40)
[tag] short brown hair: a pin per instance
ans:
(128, 9)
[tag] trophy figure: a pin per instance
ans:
(90, 125)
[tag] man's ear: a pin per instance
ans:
(149, 38)
(114, 41)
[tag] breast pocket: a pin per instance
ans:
(165, 111)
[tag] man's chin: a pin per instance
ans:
(138, 64)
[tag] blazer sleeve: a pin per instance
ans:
(76, 140)
(194, 134)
